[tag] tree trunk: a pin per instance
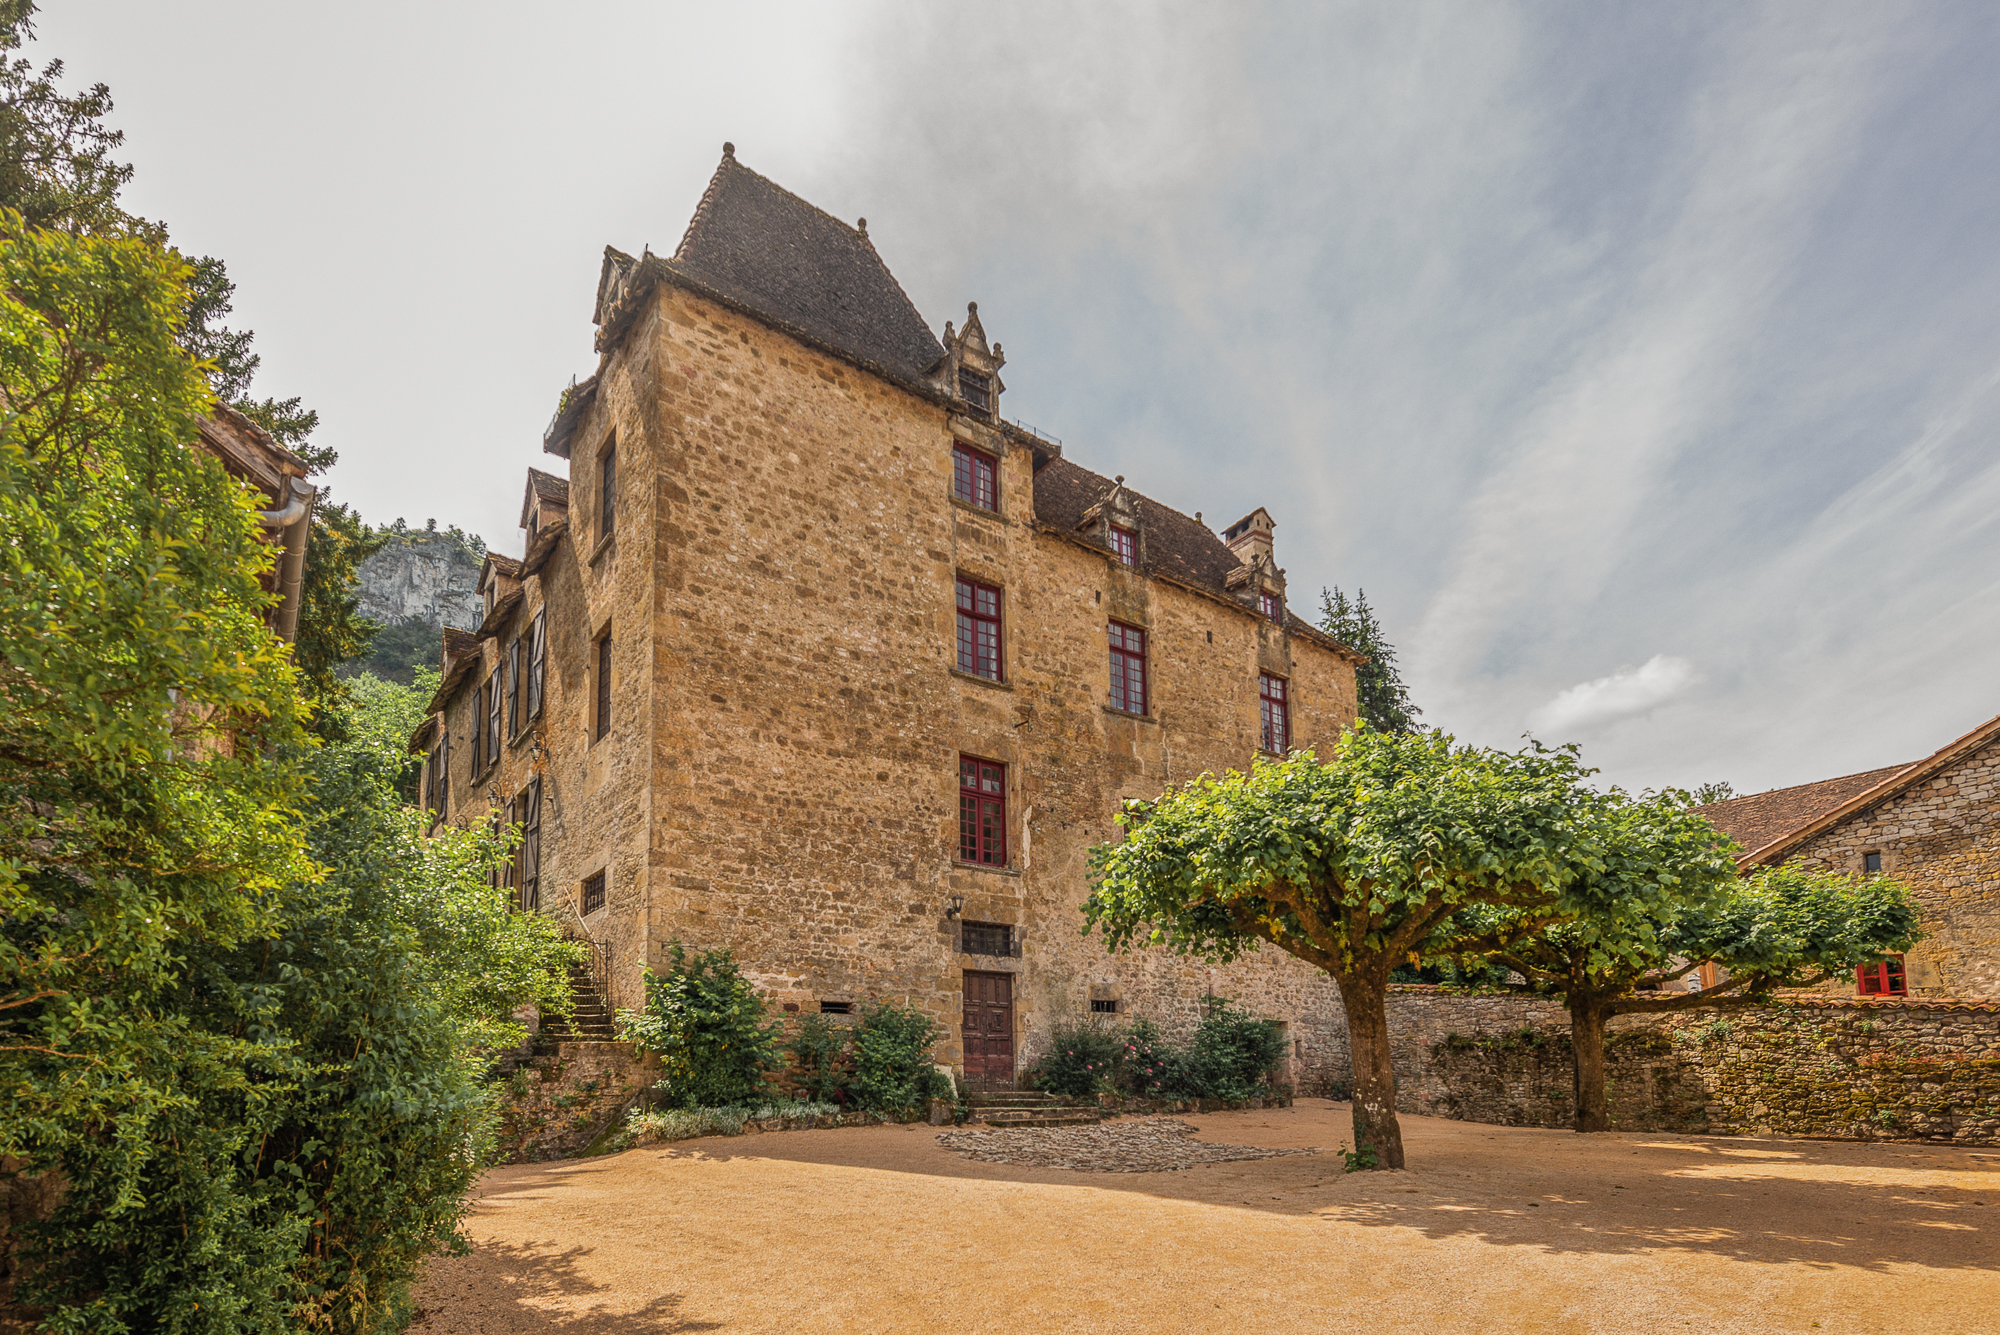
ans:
(1586, 1032)
(1375, 1125)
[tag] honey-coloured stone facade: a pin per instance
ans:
(780, 770)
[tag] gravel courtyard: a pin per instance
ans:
(1495, 1229)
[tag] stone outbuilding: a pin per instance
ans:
(816, 656)
(1934, 825)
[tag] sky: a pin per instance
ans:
(1641, 362)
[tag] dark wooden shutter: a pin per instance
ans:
(514, 688)
(531, 847)
(493, 689)
(477, 729)
(537, 659)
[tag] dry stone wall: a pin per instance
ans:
(1844, 1069)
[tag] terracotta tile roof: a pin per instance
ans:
(1756, 820)
(1175, 546)
(753, 240)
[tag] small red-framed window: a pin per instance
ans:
(979, 629)
(982, 811)
(1275, 710)
(1128, 668)
(1271, 605)
(1882, 980)
(974, 478)
(1125, 546)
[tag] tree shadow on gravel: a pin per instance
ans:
(533, 1287)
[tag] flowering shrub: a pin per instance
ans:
(1083, 1061)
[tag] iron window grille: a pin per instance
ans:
(1275, 711)
(514, 687)
(1099, 1006)
(593, 892)
(538, 654)
(1125, 546)
(974, 478)
(603, 687)
(1271, 605)
(976, 388)
(1882, 980)
(982, 812)
(531, 847)
(979, 630)
(1128, 668)
(988, 938)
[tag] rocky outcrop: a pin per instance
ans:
(432, 577)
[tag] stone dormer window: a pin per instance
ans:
(1257, 581)
(972, 366)
(1114, 522)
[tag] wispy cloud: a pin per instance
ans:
(1588, 706)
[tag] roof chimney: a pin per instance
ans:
(1250, 537)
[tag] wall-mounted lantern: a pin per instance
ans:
(957, 903)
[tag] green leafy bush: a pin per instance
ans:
(707, 1024)
(1083, 1060)
(1234, 1052)
(1231, 1057)
(822, 1061)
(893, 1070)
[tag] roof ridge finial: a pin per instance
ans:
(728, 150)
(861, 226)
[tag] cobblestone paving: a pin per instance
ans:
(1155, 1145)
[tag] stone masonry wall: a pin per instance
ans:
(1942, 839)
(1818, 1068)
(787, 527)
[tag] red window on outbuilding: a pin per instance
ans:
(1128, 668)
(982, 811)
(1276, 713)
(979, 630)
(1125, 545)
(974, 478)
(1882, 980)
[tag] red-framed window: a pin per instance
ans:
(1128, 668)
(975, 479)
(1125, 545)
(1275, 710)
(979, 630)
(1882, 980)
(1271, 605)
(982, 811)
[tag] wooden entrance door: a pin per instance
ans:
(989, 1030)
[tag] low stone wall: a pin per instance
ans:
(1847, 1069)
(553, 1105)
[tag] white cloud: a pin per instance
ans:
(1591, 705)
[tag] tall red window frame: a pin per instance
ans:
(979, 629)
(1271, 605)
(1274, 709)
(975, 478)
(1886, 979)
(982, 811)
(1128, 668)
(1125, 545)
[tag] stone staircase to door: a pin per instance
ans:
(1029, 1108)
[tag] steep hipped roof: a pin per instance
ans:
(753, 240)
(1174, 546)
(1756, 820)
(1888, 783)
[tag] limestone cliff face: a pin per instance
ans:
(431, 577)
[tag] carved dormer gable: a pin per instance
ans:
(499, 576)
(1115, 523)
(972, 368)
(1258, 577)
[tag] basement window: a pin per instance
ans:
(836, 1008)
(1099, 1006)
(1871, 863)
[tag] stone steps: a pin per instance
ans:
(1038, 1117)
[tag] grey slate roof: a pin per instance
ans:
(759, 243)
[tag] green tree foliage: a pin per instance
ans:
(1780, 927)
(1357, 865)
(56, 168)
(1710, 793)
(1384, 700)
(705, 1021)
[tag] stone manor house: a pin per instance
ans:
(815, 656)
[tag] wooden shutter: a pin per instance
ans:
(514, 687)
(531, 847)
(493, 688)
(537, 660)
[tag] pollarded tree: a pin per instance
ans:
(1355, 865)
(1781, 927)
